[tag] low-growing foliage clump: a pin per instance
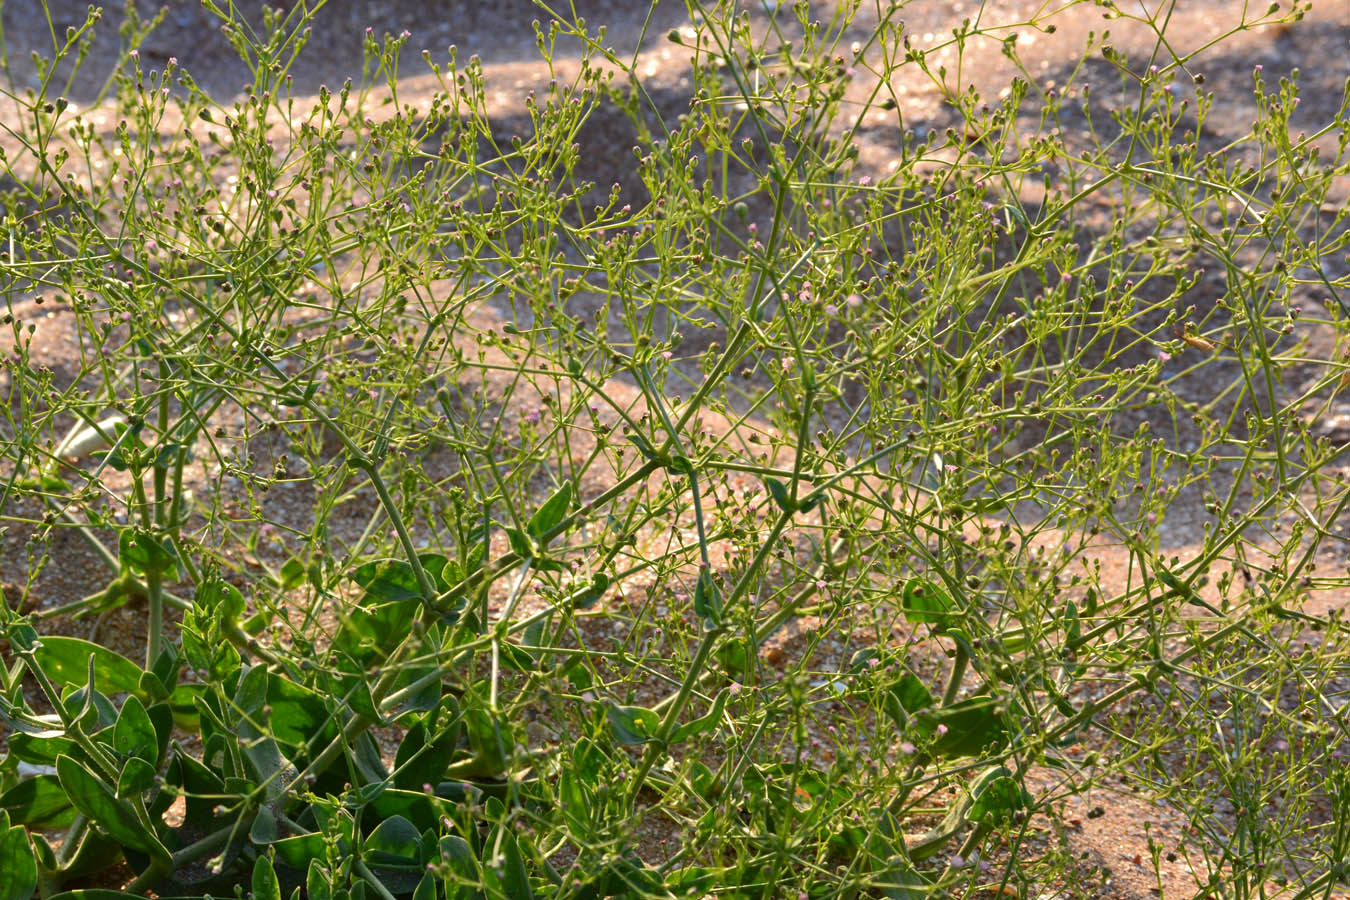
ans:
(468, 498)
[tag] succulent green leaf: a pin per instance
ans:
(965, 728)
(633, 725)
(925, 602)
(93, 797)
(18, 867)
(707, 599)
(265, 884)
(780, 495)
(703, 723)
(137, 776)
(505, 874)
(134, 734)
(394, 852)
(300, 851)
(317, 885)
(457, 853)
(143, 553)
(551, 514)
(65, 660)
(998, 799)
(38, 802)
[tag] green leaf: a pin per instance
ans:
(415, 806)
(551, 514)
(901, 881)
(368, 762)
(644, 447)
(387, 581)
(970, 726)
(633, 725)
(703, 723)
(1073, 631)
(300, 716)
(707, 599)
(394, 841)
(93, 797)
(506, 875)
(912, 694)
(780, 495)
(586, 596)
(301, 851)
(39, 802)
(292, 574)
(137, 776)
(691, 881)
(143, 552)
(736, 658)
(520, 544)
(18, 868)
(41, 748)
(317, 886)
(150, 686)
(455, 851)
(265, 883)
(925, 602)
(394, 852)
(998, 799)
(681, 465)
(371, 632)
(264, 829)
(134, 734)
(65, 661)
(219, 596)
(489, 739)
(425, 750)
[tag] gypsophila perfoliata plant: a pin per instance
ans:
(512, 514)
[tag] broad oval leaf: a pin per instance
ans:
(134, 734)
(93, 797)
(633, 725)
(18, 867)
(505, 872)
(65, 660)
(265, 884)
(967, 727)
(551, 514)
(999, 799)
(707, 599)
(137, 776)
(925, 602)
(394, 853)
(38, 802)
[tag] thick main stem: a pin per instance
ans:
(958, 674)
